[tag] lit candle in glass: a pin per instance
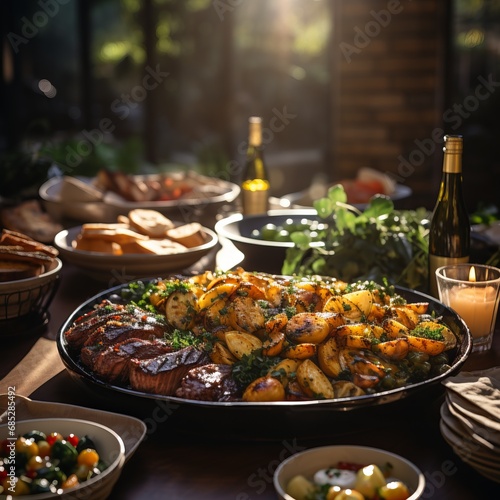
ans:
(472, 290)
(476, 305)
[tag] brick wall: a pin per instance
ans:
(388, 81)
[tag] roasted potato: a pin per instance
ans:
(245, 314)
(264, 389)
(274, 344)
(313, 381)
(429, 346)
(393, 349)
(221, 355)
(355, 306)
(240, 343)
(277, 323)
(307, 327)
(284, 371)
(328, 357)
(218, 292)
(181, 309)
(299, 351)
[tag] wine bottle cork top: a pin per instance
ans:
(255, 131)
(453, 144)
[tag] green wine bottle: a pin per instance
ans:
(449, 236)
(255, 182)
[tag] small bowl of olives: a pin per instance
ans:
(60, 458)
(264, 239)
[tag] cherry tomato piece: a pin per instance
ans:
(53, 437)
(349, 466)
(73, 439)
(70, 482)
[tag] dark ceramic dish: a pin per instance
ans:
(288, 416)
(261, 255)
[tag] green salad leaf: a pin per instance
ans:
(377, 244)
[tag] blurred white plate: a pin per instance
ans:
(130, 266)
(303, 199)
(208, 193)
(490, 233)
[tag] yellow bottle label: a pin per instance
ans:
(255, 196)
(255, 185)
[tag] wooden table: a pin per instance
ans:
(201, 461)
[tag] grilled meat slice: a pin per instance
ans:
(86, 324)
(118, 330)
(162, 375)
(211, 382)
(113, 363)
(108, 315)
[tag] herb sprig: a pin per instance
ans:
(377, 244)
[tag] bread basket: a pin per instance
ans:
(27, 300)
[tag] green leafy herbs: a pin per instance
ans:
(485, 214)
(179, 339)
(138, 293)
(379, 244)
(428, 332)
(250, 367)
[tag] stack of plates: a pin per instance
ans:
(470, 419)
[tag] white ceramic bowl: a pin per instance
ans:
(29, 295)
(310, 461)
(102, 266)
(108, 443)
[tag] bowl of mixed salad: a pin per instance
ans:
(61, 458)
(347, 472)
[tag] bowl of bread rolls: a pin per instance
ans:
(143, 243)
(29, 274)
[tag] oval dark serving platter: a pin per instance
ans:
(287, 416)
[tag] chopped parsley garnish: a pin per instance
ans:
(174, 286)
(139, 293)
(252, 366)
(137, 290)
(428, 332)
(179, 339)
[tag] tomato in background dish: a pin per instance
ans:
(358, 191)
(350, 466)
(171, 189)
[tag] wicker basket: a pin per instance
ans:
(29, 297)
